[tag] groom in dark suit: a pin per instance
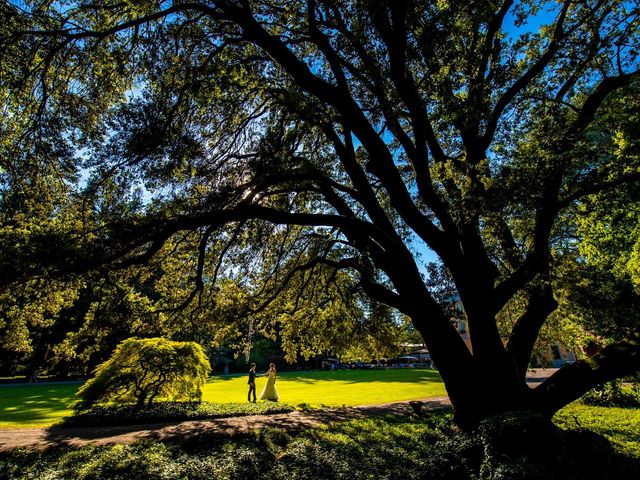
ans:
(252, 382)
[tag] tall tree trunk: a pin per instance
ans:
(476, 390)
(490, 383)
(141, 397)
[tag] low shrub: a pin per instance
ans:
(388, 448)
(148, 369)
(161, 412)
(613, 394)
(527, 446)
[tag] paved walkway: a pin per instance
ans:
(42, 438)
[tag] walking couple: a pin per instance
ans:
(269, 392)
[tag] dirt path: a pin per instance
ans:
(43, 438)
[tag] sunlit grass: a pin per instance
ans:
(43, 405)
(620, 425)
(35, 405)
(338, 388)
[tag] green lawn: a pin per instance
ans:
(42, 405)
(342, 387)
(620, 425)
(35, 405)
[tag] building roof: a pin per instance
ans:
(422, 350)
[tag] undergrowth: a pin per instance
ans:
(393, 447)
(109, 415)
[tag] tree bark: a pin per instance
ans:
(525, 332)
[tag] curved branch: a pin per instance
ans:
(384, 295)
(526, 329)
(70, 34)
(593, 186)
(571, 382)
(593, 102)
(492, 30)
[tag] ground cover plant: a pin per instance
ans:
(129, 414)
(381, 448)
(44, 405)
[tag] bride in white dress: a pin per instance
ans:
(270, 392)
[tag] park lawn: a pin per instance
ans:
(336, 388)
(621, 426)
(41, 405)
(35, 405)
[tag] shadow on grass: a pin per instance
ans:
(34, 404)
(228, 427)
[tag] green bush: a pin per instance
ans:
(159, 412)
(613, 394)
(143, 370)
(527, 446)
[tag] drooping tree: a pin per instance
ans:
(369, 126)
(144, 370)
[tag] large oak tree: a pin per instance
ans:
(353, 132)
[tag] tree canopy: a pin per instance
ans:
(311, 149)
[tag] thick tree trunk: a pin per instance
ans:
(476, 394)
(491, 380)
(482, 393)
(141, 396)
(476, 390)
(491, 383)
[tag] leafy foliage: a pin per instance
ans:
(145, 370)
(159, 412)
(594, 261)
(613, 394)
(385, 448)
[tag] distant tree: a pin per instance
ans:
(143, 370)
